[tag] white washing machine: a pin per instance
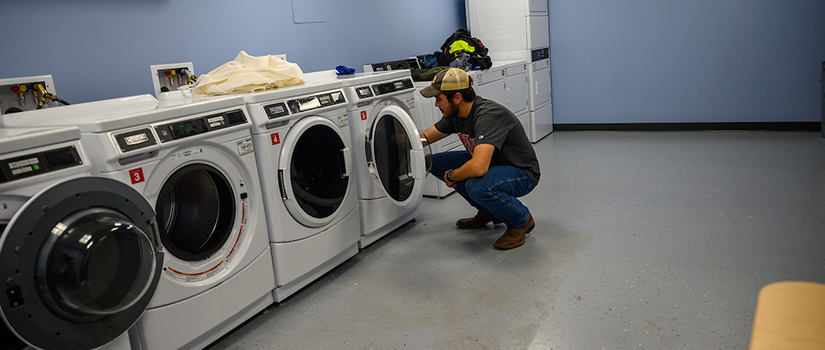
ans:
(80, 257)
(302, 141)
(389, 159)
(195, 164)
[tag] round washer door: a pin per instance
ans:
(313, 171)
(395, 156)
(79, 263)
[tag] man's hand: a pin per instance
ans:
(447, 180)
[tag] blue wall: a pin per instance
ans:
(98, 49)
(661, 61)
(613, 61)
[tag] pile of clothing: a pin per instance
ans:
(460, 50)
(249, 74)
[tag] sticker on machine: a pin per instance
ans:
(245, 146)
(186, 153)
(136, 175)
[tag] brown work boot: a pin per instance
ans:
(515, 237)
(477, 221)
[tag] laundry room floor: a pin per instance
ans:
(643, 240)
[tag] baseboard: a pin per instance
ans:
(764, 126)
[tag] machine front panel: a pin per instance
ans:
(38, 163)
(83, 271)
(200, 125)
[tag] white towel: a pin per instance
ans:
(247, 74)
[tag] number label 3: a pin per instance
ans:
(136, 175)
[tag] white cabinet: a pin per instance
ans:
(540, 84)
(519, 30)
(537, 6)
(489, 83)
(539, 29)
(509, 25)
(515, 84)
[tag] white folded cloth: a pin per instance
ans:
(247, 74)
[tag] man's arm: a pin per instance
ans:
(434, 135)
(475, 167)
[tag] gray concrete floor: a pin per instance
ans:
(643, 240)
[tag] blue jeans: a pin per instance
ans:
(495, 192)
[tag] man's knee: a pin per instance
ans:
(475, 189)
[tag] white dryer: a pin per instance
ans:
(195, 164)
(80, 257)
(302, 141)
(389, 159)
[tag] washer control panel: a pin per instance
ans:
(384, 88)
(38, 163)
(303, 104)
(316, 101)
(200, 125)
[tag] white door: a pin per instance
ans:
(539, 87)
(313, 171)
(538, 32)
(81, 261)
(517, 95)
(395, 156)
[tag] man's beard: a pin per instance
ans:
(453, 110)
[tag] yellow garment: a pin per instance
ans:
(461, 45)
(247, 74)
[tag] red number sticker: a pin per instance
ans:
(136, 175)
(363, 115)
(276, 139)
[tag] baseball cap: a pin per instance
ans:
(451, 79)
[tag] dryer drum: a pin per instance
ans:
(196, 212)
(317, 169)
(392, 157)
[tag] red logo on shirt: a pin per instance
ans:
(468, 142)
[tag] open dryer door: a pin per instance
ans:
(396, 157)
(314, 171)
(79, 262)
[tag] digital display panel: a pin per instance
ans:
(304, 104)
(188, 128)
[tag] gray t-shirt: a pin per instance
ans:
(492, 123)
